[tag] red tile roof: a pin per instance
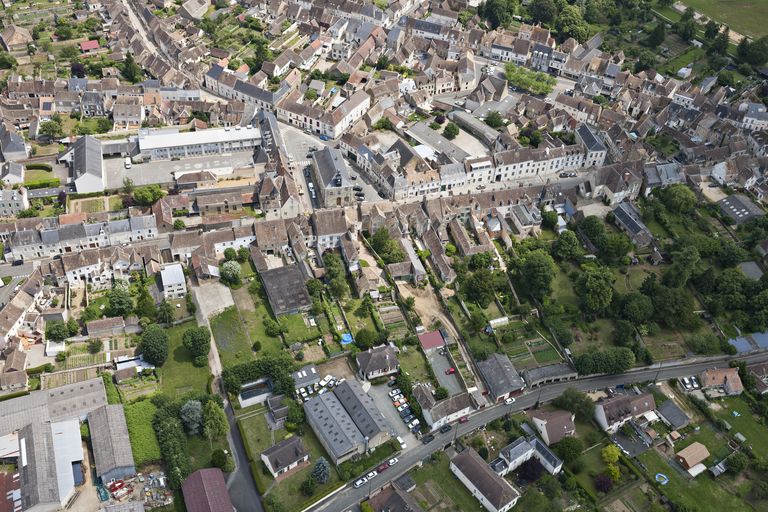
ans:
(431, 340)
(89, 45)
(205, 491)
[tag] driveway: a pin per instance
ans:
(384, 404)
(440, 364)
(213, 298)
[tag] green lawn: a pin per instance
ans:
(297, 329)
(702, 494)
(414, 363)
(178, 375)
(709, 437)
(744, 16)
(254, 314)
(594, 335)
(138, 416)
(593, 465)
(545, 356)
(562, 288)
(358, 317)
(231, 338)
(92, 205)
(746, 424)
(439, 473)
(200, 450)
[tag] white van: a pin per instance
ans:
(128, 163)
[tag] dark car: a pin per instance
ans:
(383, 466)
(445, 428)
(409, 419)
(405, 413)
(357, 188)
(392, 383)
(427, 439)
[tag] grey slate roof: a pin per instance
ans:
(87, 157)
(109, 437)
(591, 141)
(673, 414)
(500, 375)
(361, 407)
(285, 289)
(330, 421)
(285, 453)
(331, 168)
(496, 490)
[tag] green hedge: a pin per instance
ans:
(39, 166)
(48, 183)
(139, 416)
(13, 395)
(37, 370)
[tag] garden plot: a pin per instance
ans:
(393, 320)
(58, 379)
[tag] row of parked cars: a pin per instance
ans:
(400, 402)
(690, 383)
(382, 467)
(328, 382)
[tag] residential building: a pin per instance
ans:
(611, 413)
(173, 281)
(331, 176)
(285, 456)
(522, 450)
(12, 173)
(494, 492)
(692, 455)
(329, 226)
(629, 220)
(16, 38)
(13, 201)
(725, 380)
(443, 412)
(377, 362)
(286, 290)
(553, 426)
(500, 377)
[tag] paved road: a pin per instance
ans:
(6, 269)
(350, 496)
(7, 291)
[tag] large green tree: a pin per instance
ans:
(537, 271)
(570, 23)
(154, 344)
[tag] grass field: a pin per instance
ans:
(138, 416)
(92, 205)
(200, 450)
(178, 375)
(414, 363)
(357, 316)
(231, 338)
(297, 329)
(254, 313)
(440, 474)
(745, 424)
(702, 494)
(744, 16)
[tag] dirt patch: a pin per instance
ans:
(427, 306)
(313, 352)
(338, 367)
(432, 498)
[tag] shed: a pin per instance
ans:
(111, 445)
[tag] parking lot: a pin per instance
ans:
(440, 364)
(163, 171)
(212, 298)
(384, 404)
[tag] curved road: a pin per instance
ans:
(349, 497)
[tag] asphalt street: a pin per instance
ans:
(350, 497)
(7, 291)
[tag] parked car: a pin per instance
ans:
(463, 419)
(450, 371)
(360, 482)
(397, 397)
(391, 462)
(403, 446)
(405, 413)
(427, 439)
(398, 404)
(382, 467)
(372, 474)
(402, 408)
(509, 401)
(409, 418)
(394, 392)
(392, 383)
(445, 428)
(357, 188)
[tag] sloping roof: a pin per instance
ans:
(285, 453)
(673, 414)
(500, 375)
(206, 491)
(109, 437)
(621, 407)
(382, 358)
(431, 339)
(87, 157)
(496, 490)
(693, 454)
(558, 424)
(285, 289)
(726, 377)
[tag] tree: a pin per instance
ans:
(365, 339)
(243, 254)
(569, 449)
(730, 254)
(386, 247)
(711, 29)
(145, 304)
(230, 254)
(154, 344)
(737, 463)
(760, 490)
(56, 330)
(7, 61)
(95, 346)
(636, 308)
(623, 334)
(613, 472)
(273, 328)
(128, 187)
(686, 29)
(310, 94)
(603, 483)
(531, 470)
(120, 301)
(321, 473)
(719, 45)
(610, 454)
(576, 402)
(451, 131)
(338, 287)
(441, 393)
(191, 416)
(165, 312)
(220, 459)
(131, 71)
(570, 23)
(497, 12)
(482, 260)
(51, 129)
(610, 361)
(537, 272)
(494, 119)
(673, 306)
(543, 11)
(309, 486)
(179, 225)
(678, 198)
(597, 289)
(229, 273)
(684, 264)
(197, 340)
(215, 423)
(147, 196)
(658, 35)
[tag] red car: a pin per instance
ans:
(450, 371)
(382, 467)
(463, 419)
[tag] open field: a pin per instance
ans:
(436, 477)
(414, 363)
(744, 16)
(231, 337)
(745, 423)
(254, 313)
(178, 375)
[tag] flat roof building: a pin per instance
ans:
(167, 144)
